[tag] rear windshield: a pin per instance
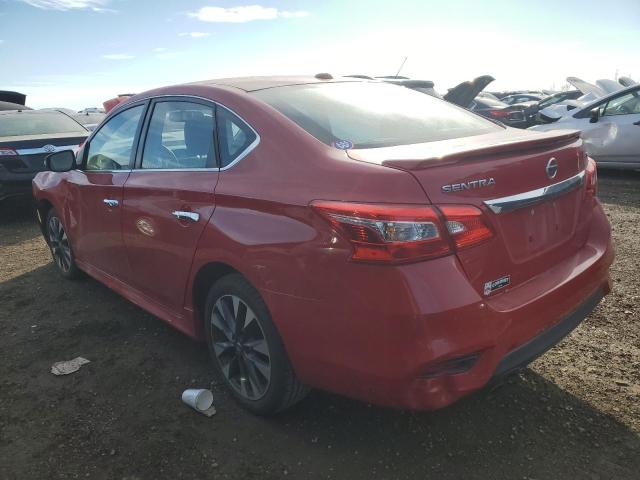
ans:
(41, 123)
(370, 115)
(490, 102)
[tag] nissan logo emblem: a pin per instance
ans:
(552, 168)
(49, 148)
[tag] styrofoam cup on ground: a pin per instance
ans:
(199, 399)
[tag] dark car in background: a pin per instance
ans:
(510, 115)
(26, 137)
(12, 100)
(522, 98)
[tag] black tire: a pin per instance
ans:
(60, 247)
(245, 365)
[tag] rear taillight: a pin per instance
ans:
(7, 152)
(499, 113)
(466, 225)
(591, 176)
(403, 233)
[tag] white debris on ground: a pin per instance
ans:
(200, 399)
(69, 366)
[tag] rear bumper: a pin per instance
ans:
(380, 332)
(523, 355)
(13, 188)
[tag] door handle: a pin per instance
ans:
(637, 123)
(194, 217)
(110, 203)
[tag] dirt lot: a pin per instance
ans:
(574, 414)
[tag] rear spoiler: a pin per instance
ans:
(426, 155)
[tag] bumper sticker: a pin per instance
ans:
(343, 144)
(493, 285)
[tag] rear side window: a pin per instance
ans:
(180, 136)
(369, 115)
(235, 137)
(112, 145)
(40, 123)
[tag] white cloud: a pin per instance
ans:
(63, 5)
(159, 49)
(247, 13)
(194, 34)
(166, 55)
(117, 56)
(295, 14)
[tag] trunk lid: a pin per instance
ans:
(481, 170)
(32, 150)
(464, 93)
(586, 87)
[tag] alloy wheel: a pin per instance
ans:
(240, 347)
(59, 244)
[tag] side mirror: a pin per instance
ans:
(595, 115)
(60, 161)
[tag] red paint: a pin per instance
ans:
(366, 330)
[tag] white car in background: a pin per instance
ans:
(610, 128)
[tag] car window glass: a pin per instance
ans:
(180, 136)
(112, 146)
(38, 123)
(234, 135)
(624, 104)
(371, 115)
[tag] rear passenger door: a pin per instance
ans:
(169, 196)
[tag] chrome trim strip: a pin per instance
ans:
(102, 171)
(244, 153)
(526, 199)
(35, 151)
(143, 170)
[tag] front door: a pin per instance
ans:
(169, 198)
(615, 137)
(96, 195)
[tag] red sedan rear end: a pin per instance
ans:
(352, 236)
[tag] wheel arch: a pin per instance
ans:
(43, 207)
(207, 275)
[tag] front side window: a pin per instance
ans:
(111, 148)
(627, 104)
(234, 135)
(370, 115)
(180, 136)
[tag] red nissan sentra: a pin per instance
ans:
(348, 235)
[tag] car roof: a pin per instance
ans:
(251, 84)
(28, 111)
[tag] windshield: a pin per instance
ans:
(369, 115)
(41, 123)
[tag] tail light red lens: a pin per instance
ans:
(591, 176)
(387, 233)
(404, 233)
(499, 113)
(466, 225)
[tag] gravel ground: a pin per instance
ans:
(574, 414)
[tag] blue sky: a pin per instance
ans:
(77, 53)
